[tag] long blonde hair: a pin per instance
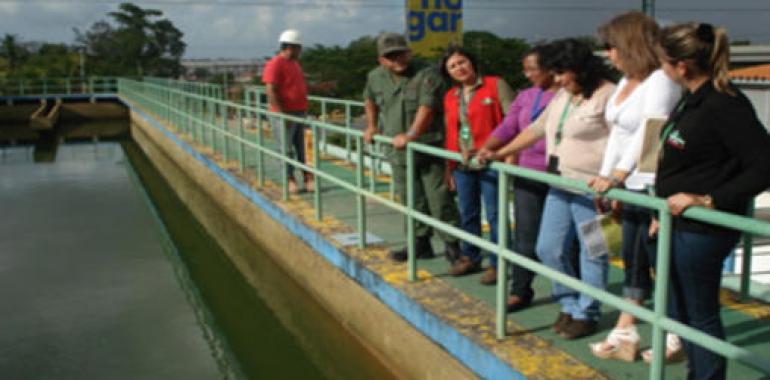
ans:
(634, 35)
(702, 47)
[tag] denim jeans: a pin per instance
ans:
(528, 202)
(563, 213)
(294, 146)
(696, 274)
(473, 186)
(637, 252)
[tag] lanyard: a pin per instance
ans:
(563, 118)
(465, 129)
(536, 110)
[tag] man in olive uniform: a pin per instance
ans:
(406, 102)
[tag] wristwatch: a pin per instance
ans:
(708, 201)
(411, 134)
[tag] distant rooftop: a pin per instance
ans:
(756, 74)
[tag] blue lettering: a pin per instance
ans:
(454, 4)
(416, 23)
(437, 21)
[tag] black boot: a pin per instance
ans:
(423, 247)
(452, 252)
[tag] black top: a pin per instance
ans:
(714, 144)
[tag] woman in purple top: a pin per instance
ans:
(529, 196)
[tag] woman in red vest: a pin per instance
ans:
(472, 110)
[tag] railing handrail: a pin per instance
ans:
(656, 317)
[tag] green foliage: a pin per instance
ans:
(498, 56)
(340, 72)
(139, 44)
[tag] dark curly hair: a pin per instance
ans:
(570, 54)
(452, 50)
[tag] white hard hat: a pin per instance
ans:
(290, 36)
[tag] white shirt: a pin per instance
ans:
(655, 97)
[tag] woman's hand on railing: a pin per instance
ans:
(600, 184)
(653, 230)
(485, 155)
(680, 202)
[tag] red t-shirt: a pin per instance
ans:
(289, 80)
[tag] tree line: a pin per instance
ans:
(133, 41)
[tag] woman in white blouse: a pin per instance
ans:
(644, 92)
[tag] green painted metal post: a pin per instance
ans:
(348, 126)
(748, 247)
(317, 166)
(360, 199)
(410, 233)
(502, 243)
(324, 119)
(284, 164)
(241, 148)
(225, 131)
(260, 156)
(662, 278)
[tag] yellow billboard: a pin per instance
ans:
(431, 25)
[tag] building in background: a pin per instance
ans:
(754, 81)
(242, 70)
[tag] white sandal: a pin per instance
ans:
(674, 350)
(621, 344)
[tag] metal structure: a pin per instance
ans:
(205, 120)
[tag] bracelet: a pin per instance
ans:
(411, 133)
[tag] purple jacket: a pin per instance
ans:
(518, 118)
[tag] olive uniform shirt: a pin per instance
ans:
(397, 99)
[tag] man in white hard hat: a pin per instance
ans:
(287, 93)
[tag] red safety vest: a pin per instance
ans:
(484, 113)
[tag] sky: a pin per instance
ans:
(250, 28)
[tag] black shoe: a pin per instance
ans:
(578, 328)
(423, 247)
(516, 303)
(452, 252)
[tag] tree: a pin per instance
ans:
(498, 56)
(13, 53)
(346, 68)
(138, 44)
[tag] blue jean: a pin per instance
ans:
(637, 250)
(563, 213)
(294, 146)
(696, 273)
(473, 186)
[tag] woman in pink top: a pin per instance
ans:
(529, 196)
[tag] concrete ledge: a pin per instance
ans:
(425, 329)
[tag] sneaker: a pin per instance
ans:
(578, 328)
(489, 277)
(423, 247)
(452, 252)
(464, 265)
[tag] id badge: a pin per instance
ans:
(553, 164)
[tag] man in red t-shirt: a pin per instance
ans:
(287, 93)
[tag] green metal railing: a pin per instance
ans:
(58, 86)
(205, 118)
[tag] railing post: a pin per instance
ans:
(347, 127)
(360, 199)
(241, 148)
(317, 166)
(260, 156)
(225, 131)
(662, 278)
(410, 237)
(748, 247)
(502, 242)
(324, 119)
(284, 155)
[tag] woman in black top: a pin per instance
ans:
(715, 154)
